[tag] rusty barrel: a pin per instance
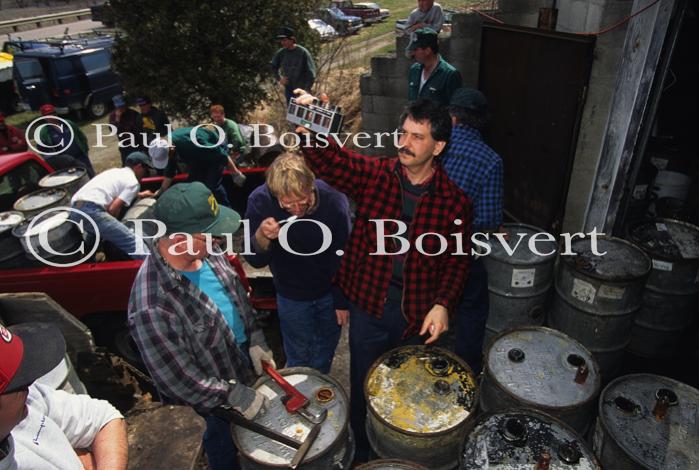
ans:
(70, 179)
(141, 211)
(597, 296)
(519, 279)
(390, 464)
(672, 288)
(524, 439)
(647, 422)
(38, 201)
(334, 446)
(50, 238)
(419, 400)
(544, 369)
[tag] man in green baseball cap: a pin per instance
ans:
(191, 320)
(430, 76)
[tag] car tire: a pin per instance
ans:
(126, 348)
(97, 109)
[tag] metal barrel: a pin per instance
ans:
(333, 448)
(38, 201)
(544, 369)
(647, 422)
(50, 237)
(70, 179)
(419, 400)
(597, 296)
(141, 210)
(390, 464)
(525, 439)
(672, 288)
(10, 246)
(519, 280)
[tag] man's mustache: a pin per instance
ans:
(405, 151)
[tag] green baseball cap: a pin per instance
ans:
(192, 208)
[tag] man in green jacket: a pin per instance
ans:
(430, 76)
(63, 136)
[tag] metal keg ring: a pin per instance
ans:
(396, 359)
(516, 355)
(667, 394)
(325, 395)
(439, 366)
(514, 431)
(569, 453)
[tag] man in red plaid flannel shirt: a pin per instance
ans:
(396, 298)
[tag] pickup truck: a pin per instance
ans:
(98, 293)
(368, 15)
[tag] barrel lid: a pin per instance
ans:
(419, 389)
(40, 199)
(516, 440)
(668, 239)
(9, 220)
(322, 391)
(62, 177)
(627, 411)
(539, 366)
(621, 261)
(518, 240)
(43, 225)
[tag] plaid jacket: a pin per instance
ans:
(477, 169)
(185, 342)
(374, 184)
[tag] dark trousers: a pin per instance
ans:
(219, 447)
(369, 338)
(471, 315)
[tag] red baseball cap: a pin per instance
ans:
(28, 351)
(47, 109)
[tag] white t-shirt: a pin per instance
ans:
(107, 186)
(57, 423)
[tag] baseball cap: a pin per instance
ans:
(423, 37)
(47, 109)
(139, 157)
(192, 208)
(285, 32)
(118, 101)
(159, 150)
(469, 99)
(142, 100)
(28, 351)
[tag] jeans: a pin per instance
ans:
(109, 228)
(219, 447)
(369, 338)
(309, 331)
(471, 315)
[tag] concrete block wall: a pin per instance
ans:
(385, 89)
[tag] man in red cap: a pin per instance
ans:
(11, 139)
(45, 428)
(57, 138)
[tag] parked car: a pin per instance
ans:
(383, 12)
(324, 30)
(73, 74)
(367, 14)
(400, 24)
(342, 23)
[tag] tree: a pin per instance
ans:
(187, 54)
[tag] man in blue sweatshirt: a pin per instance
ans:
(303, 254)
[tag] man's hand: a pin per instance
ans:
(436, 322)
(270, 228)
(257, 355)
(342, 316)
(257, 406)
(146, 193)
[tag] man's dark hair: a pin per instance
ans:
(435, 48)
(428, 110)
(475, 119)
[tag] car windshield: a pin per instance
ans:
(29, 69)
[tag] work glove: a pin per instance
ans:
(259, 354)
(257, 406)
